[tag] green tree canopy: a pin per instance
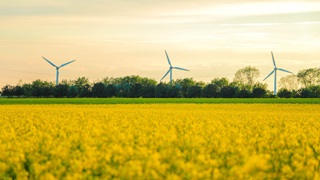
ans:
(309, 77)
(247, 77)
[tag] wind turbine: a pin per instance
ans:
(57, 67)
(170, 68)
(275, 73)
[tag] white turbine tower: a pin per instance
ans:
(275, 73)
(57, 68)
(170, 69)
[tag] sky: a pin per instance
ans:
(124, 37)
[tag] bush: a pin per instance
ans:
(73, 91)
(259, 92)
(284, 93)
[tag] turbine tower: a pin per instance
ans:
(57, 68)
(170, 68)
(275, 73)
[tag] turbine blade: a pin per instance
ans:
(165, 74)
(49, 62)
(269, 75)
(181, 68)
(168, 58)
(284, 70)
(67, 63)
(274, 62)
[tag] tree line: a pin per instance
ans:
(305, 84)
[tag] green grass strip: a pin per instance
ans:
(4, 101)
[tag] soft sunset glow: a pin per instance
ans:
(119, 38)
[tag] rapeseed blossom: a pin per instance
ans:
(160, 141)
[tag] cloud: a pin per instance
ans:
(245, 9)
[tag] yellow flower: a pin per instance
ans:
(160, 141)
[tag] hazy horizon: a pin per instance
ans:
(122, 38)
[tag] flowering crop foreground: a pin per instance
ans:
(160, 141)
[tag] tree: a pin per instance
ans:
(136, 86)
(144, 81)
(42, 88)
(185, 84)
(161, 90)
(229, 91)
(247, 77)
(310, 92)
(219, 84)
(289, 82)
(109, 90)
(61, 90)
(304, 93)
(85, 91)
(7, 91)
(174, 91)
(134, 90)
(130, 86)
(309, 77)
(73, 91)
(27, 90)
(244, 93)
(81, 83)
(130, 80)
(316, 91)
(208, 91)
(148, 91)
(108, 80)
(194, 91)
(98, 89)
(18, 91)
(284, 93)
(67, 82)
(258, 92)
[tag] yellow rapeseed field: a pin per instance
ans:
(160, 141)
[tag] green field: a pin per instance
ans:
(157, 100)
